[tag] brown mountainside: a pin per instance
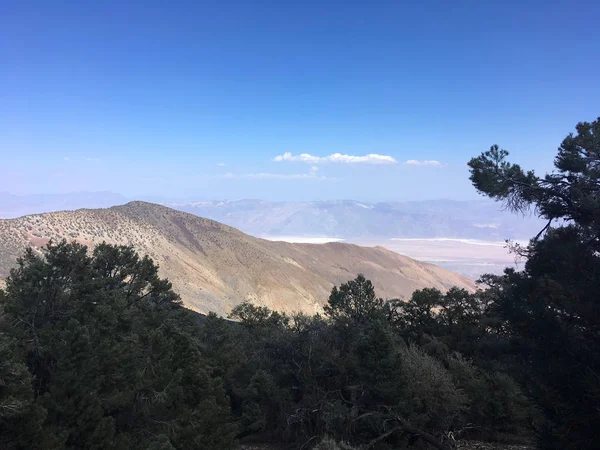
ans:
(214, 267)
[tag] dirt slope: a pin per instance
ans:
(214, 267)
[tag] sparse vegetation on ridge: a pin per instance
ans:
(215, 267)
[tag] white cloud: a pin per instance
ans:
(427, 162)
(92, 159)
(372, 158)
(67, 159)
(221, 164)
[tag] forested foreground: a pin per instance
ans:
(97, 352)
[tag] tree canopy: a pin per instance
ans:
(94, 356)
(551, 308)
(97, 352)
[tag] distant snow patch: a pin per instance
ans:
(463, 241)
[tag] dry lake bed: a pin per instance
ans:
(468, 257)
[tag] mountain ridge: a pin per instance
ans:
(351, 219)
(345, 219)
(214, 266)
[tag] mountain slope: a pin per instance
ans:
(214, 267)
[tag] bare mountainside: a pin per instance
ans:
(214, 267)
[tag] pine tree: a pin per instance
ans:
(551, 309)
(101, 352)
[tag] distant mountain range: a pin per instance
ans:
(214, 267)
(342, 219)
(348, 219)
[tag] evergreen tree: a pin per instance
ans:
(108, 363)
(551, 310)
(354, 300)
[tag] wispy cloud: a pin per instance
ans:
(426, 162)
(92, 159)
(372, 158)
(67, 159)
(311, 175)
(281, 176)
(221, 164)
(275, 176)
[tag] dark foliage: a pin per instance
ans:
(95, 355)
(98, 353)
(550, 311)
(358, 375)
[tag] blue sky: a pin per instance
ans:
(198, 99)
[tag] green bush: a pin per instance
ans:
(431, 400)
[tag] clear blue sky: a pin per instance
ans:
(197, 99)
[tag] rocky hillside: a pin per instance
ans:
(214, 267)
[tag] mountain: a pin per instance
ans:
(350, 219)
(214, 267)
(345, 219)
(18, 205)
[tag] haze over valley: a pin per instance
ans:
(464, 236)
(467, 237)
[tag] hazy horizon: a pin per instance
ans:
(216, 198)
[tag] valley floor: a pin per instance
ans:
(469, 257)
